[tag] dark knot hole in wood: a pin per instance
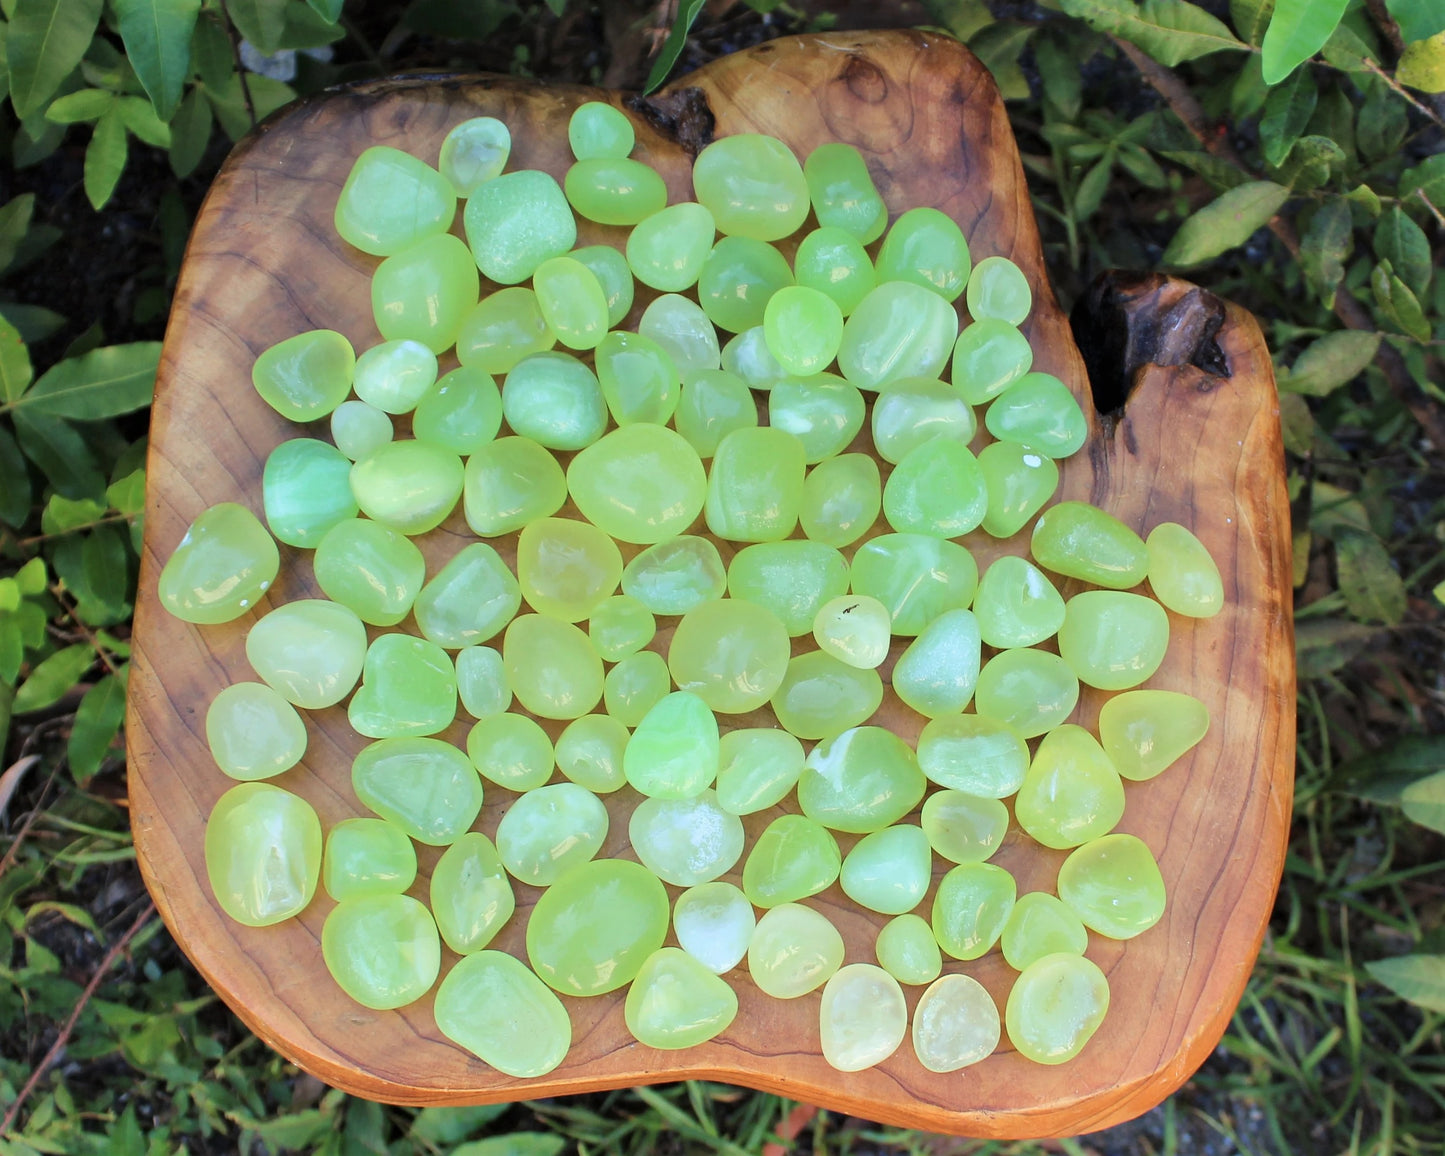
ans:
(681, 113)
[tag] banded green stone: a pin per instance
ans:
(395, 375)
(938, 489)
(756, 485)
(549, 831)
(1081, 541)
(889, 870)
(842, 192)
(748, 358)
(358, 427)
(367, 857)
(685, 841)
(305, 490)
(823, 412)
(898, 330)
(676, 575)
(410, 486)
(834, 262)
(505, 327)
(482, 681)
(1031, 691)
(311, 651)
(461, 413)
(638, 379)
(371, 568)
(971, 907)
(861, 780)
(1038, 411)
(555, 400)
(989, 356)
(753, 185)
(640, 483)
(915, 410)
(408, 687)
(673, 753)
(676, 1002)
(391, 200)
(710, 406)
(683, 330)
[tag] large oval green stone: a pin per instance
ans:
(676, 1002)
(955, 1024)
(1182, 573)
(862, 1017)
(367, 857)
(470, 894)
(474, 152)
(1016, 604)
(1144, 731)
(263, 853)
(469, 599)
(683, 330)
(998, 289)
(841, 499)
(793, 858)
(926, 247)
(640, 483)
(490, 1004)
(516, 221)
(823, 412)
(898, 330)
(973, 754)
(889, 870)
(713, 923)
(822, 696)
(305, 490)
(1078, 540)
(861, 780)
(842, 191)
(834, 262)
(1113, 884)
(508, 483)
(311, 651)
(757, 767)
(673, 753)
(408, 687)
(794, 950)
(738, 279)
(666, 251)
(383, 950)
(937, 674)
(753, 185)
(1041, 924)
(971, 907)
(505, 327)
(305, 377)
(395, 375)
(572, 301)
(553, 669)
(1072, 792)
(989, 356)
(756, 485)
(461, 413)
(423, 293)
(793, 579)
(915, 410)
(370, 568)
(1029, 690)
(410, 486)
(254, 733)
(511, 750)
(675, 575)
(916, 576)
(596, 129)
(614, 190)
(936, 489)
(425, 786)
(1020, 481)
(555, 400)
(566, 568)
(391, 200)
(220, 568)
(1055, 1007)
(685, 841)
(1113, 640)
(732, 654)
(550, 830)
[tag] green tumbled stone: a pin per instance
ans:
(915, 410)
(937, 674)
(710, 406)
(898, 330)
(310, 651)
(1040, 925)
(395, 375)
(357, 428)
(1016, 604)
(505, 327)
(220, 568)
(620, 626)
(823, 412)
(566, 568)
(738, 279)
(834, 262)
(614, 190)
(907, 951)
(841, 499)
(461, 413)
(1113, 884)
(371, 568)
(391, 200)
(1182, 574)
(382, 950)
(855, 629)
(482, 681)
(792, 579)
(549, 831)
(553, 669)
(512, 751)
(955, 1024)
(916, 576)
(305, 490)
(307, 376)
(756, 485)
(821, 697)
(1029, 690)
(714, 923)
(926, 247)
(936, 489)
(843, 193)
(861, 780)
(592, 930)
(730, 653)
(803, 328)
(509, 483)
(989, 356)
(367, 857)
(470, 894)
(973, 754)
(493, 1006)
(685, 841)
(555, 400)
(666, 251)
(635, 685)
(596, 129)
(748, 358)
(425, 786)
(971, 907)
(641, 483)
(516, 221)
(1081, 541)
(683, 330)
(673, 753)
(889, 870)
(610, 268)
(408, 687)
(1038, 411)
(469, 599)
(675, 576)
(254, 733)
(572, 301)
(263, 853)
(998, 289)
(757, 767)
(794, 950)
(792, 858)
(425, 292)
(1144, 731)
(589, 752)
(473, 153)
(1072, 792)
(862, 1018)
(638, 379)
(1019, 482)
(753, 186)
(1113, 640)
(410, 486)
(963, 828)
(676, 1002)
(1055, 1007)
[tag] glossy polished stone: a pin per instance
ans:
(748, 358)
(757, 768)
(673, 753)
(971, 907)
(973, 754)
(915, 410)
(505, 327)
(572, 301)
(408, 687)
(792, 858)
(803, 328)
(755, 486)
(516, 221)
(410, 486)
(794, 950)
(1038, 411)
(1182, 573)
(711, 405)
(469, 600)
(861, 780)
(641, 483)
(367, 857)
(753, 185)
(596, 129)
(1016, 604)
(714, 923)
(1114, 885)
(841, 499)
(357, 428)
(989, 356)
(461, 413)
(907, 951)
(620, 626)
(955, 1024)
(998, 289)
(553, 669)
(394, 375)
(1144, 731)
(916, 576)
(493, 1006)
(638, 379)
(842, 191)
(889, 870)
(383, 950)
(1031, 691)
(511, 750)
(424, 292)
(263, 853)
(681, 327)
(371, 568)
(482, 681)
(738, 278)
(311, 651)
(964, 828)
(898, 330)
(676, 1002)
(1081, 541)
(854, 629)
(589, 752)
(305, 377)
(305, 490)
(610, 268)
(221, 567)
(666, 250)
(730, 653)
(793, 579)
(425, 786)
(566, 568)
(254, 733)
(833, 261)
(676, 575)
(1113, 640)
(685, 841)
(821, 696)
(862, 1018)
(824, 412)
(937, 674)
(1072, 792)
(614, 190)
(474, 152)
(1020, 481)
(635, 685)
(554, 399)
(509, 483)
(926, 247)
(550, 830)
(1041, 924)
(470, 894)
(391, 200)
(1055, 1007)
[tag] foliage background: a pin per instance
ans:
(1289, 155)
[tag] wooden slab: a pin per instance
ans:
(1195, 446)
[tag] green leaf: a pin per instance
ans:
(671, 47)
(1217, 171)
(1311, 163)
(472, 20)
(1286, 113)
(49, 682)
(517, 1144)
(60, 452)
(1418, 19)
(1422, 65)
(328, 10)
(103, 561)
(1397, 304)
(558, 7)
(442, 1126)
(157, 36)
(262, 22)
(14, 483)
(1373, 590)
(76, 107)
(1331, 361)
(1382, 122)
(105, 158)
(47, 39)
(1346, 51)
(128, 494)
(33, 322)
(15, 217)
(1171, 31)
(1403, 243)
(141, 119)
(999, 46)
(297, 1130)
(229, 104)
(105, 382)
(15, 369)
(1428, 177)
(190, 133)
(1423, 801)
(1297, 30)
(97, 720)
(1251, 18)
(1225, 223)
(1092, 188)
(1325, 246)
(1323, 645)
(63, 514)
(1059, 76)
(1417, 978)
(30, 578)
(12, 655)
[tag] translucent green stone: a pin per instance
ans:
(470, 894)
(794, 950)
(685, 841)
(614, 190)
(713, 923)
(907, 951)
(973, 902)
(553, 669)
(916, 576)
(371, 568)
(683, 330)
(640, 483)
(955, 1024)
(263, 853)
(753, 186)
(391, 200)
(821, 697)
(593, 929)
(620, 626)
(357, 428)
(989, 356)
(666, 251)
(1055, 1006)
(834, 263)
(635, 685)
(1072, 792)
(861, 780)
(638, 379)
(898, 330)
(469, 599)
(221, 567)
(676, 1002)
(566, 568)
(410, 486)
(738, 279)
(793, 858)
(676, 575)
(792, 579)
(597, 129)
(855, 629)
(1041, 925)
(473, 153)
(998, 289)
(509, 483)
(936, 489)
(425, 786)
(1113, 640)
(673, 753)
(1016, 604)
(254, 733)
(711, 406)
(1144, 731)
(1019, 481)
(1038, 411)
(926, 247)
(305, 490)
(307, 376)
(395, 375)
(1182, 574)
(1078, 540)
(1028, 690)
(842, 192)
(555, 400)
(823, 412)
(973, 754)
(748, 358)
(862, 1018)
(757, 767)
(572, 301)
(803, 328)
(505, 327)
(382, 950)
(493, 1006)
(915, 410)
(461, 413)
(730, 653)
(610, 268)
(311, 651)
(549, 831)
(589, 752)
(367, 857)
(756, 485)
(408, 687)
(963, 828)
(516, 221)
(1113, 884)
(841, 499)
(424, 292)
(889, 870)
(482, 681)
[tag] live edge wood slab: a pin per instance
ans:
(1191, 434)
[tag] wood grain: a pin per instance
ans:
(1192, 445)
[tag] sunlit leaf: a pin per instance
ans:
(1417, 978)
(97, 720)
(46, 40)
(1171, 31)
(1418, 19)
(672, 47)
(157, 36)
(1225, 223)
(1332, 361)
(105, 157)
(1297, 30)
(105, 382)
(49, 681)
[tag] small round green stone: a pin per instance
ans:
(620, 626)
(1031, 691)
(482, 681)
(823, 412)
(307, 376)
(1072, 792)
(676, 1002)
(1081, 541)
(683, 330)
(474, 152)
(1113, 884)
(394, 375)
(610, 268)
(907, 951)
(305, 490)
(792, 579)
(505, 327)
(1182, 574)
(666, 251)
(973, 754)
(989, 356)
(738, 279)
(862, 1018)
(311, 651)
(673, 753)
(889, 870)
(676, 575)
(511, 750)
(842, 192)
(1020, 481)
(635, 685)
(710, 406)
(1016, 604)
(469, 599)
(425, 786)
(566, 568)
(713, 923)
(794, 950)
(753, 185)
(425, 292)
(383, 950)
(1041, 925)
(955, 1024)
(640, 483)
(821, 696)
(855, 629)
(963, 828)
(898, 330)
(685, 841)
(916, 576)
(793, 858)
(614, 190)
(803, 328)
(732, 654)
(589, 752)
(470, 894)
(638, 379)
(516, 221)
(408, 687)
(971, 907)
(493, 1006)
(936, 489)
(358, 427)
(998, 289)
(1113, 640)
(222, 566)
(926, 247)
(572, 301)
(938, 672)
(834, 262)
(597, 129)
(554, 671)
(371, 568)
(861, 780)
(367, 857)
(757, 767)
(263, 853)
(1055, 1007)
(1038, 411)
(916, 410)
(461, 413)
(410, 486)
(841, 499)
(253, 732)
(550, 830)
(756, 485)
(748, 358)
(555, 400)
(391, 200)
(1144, 731)
(509, 483)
